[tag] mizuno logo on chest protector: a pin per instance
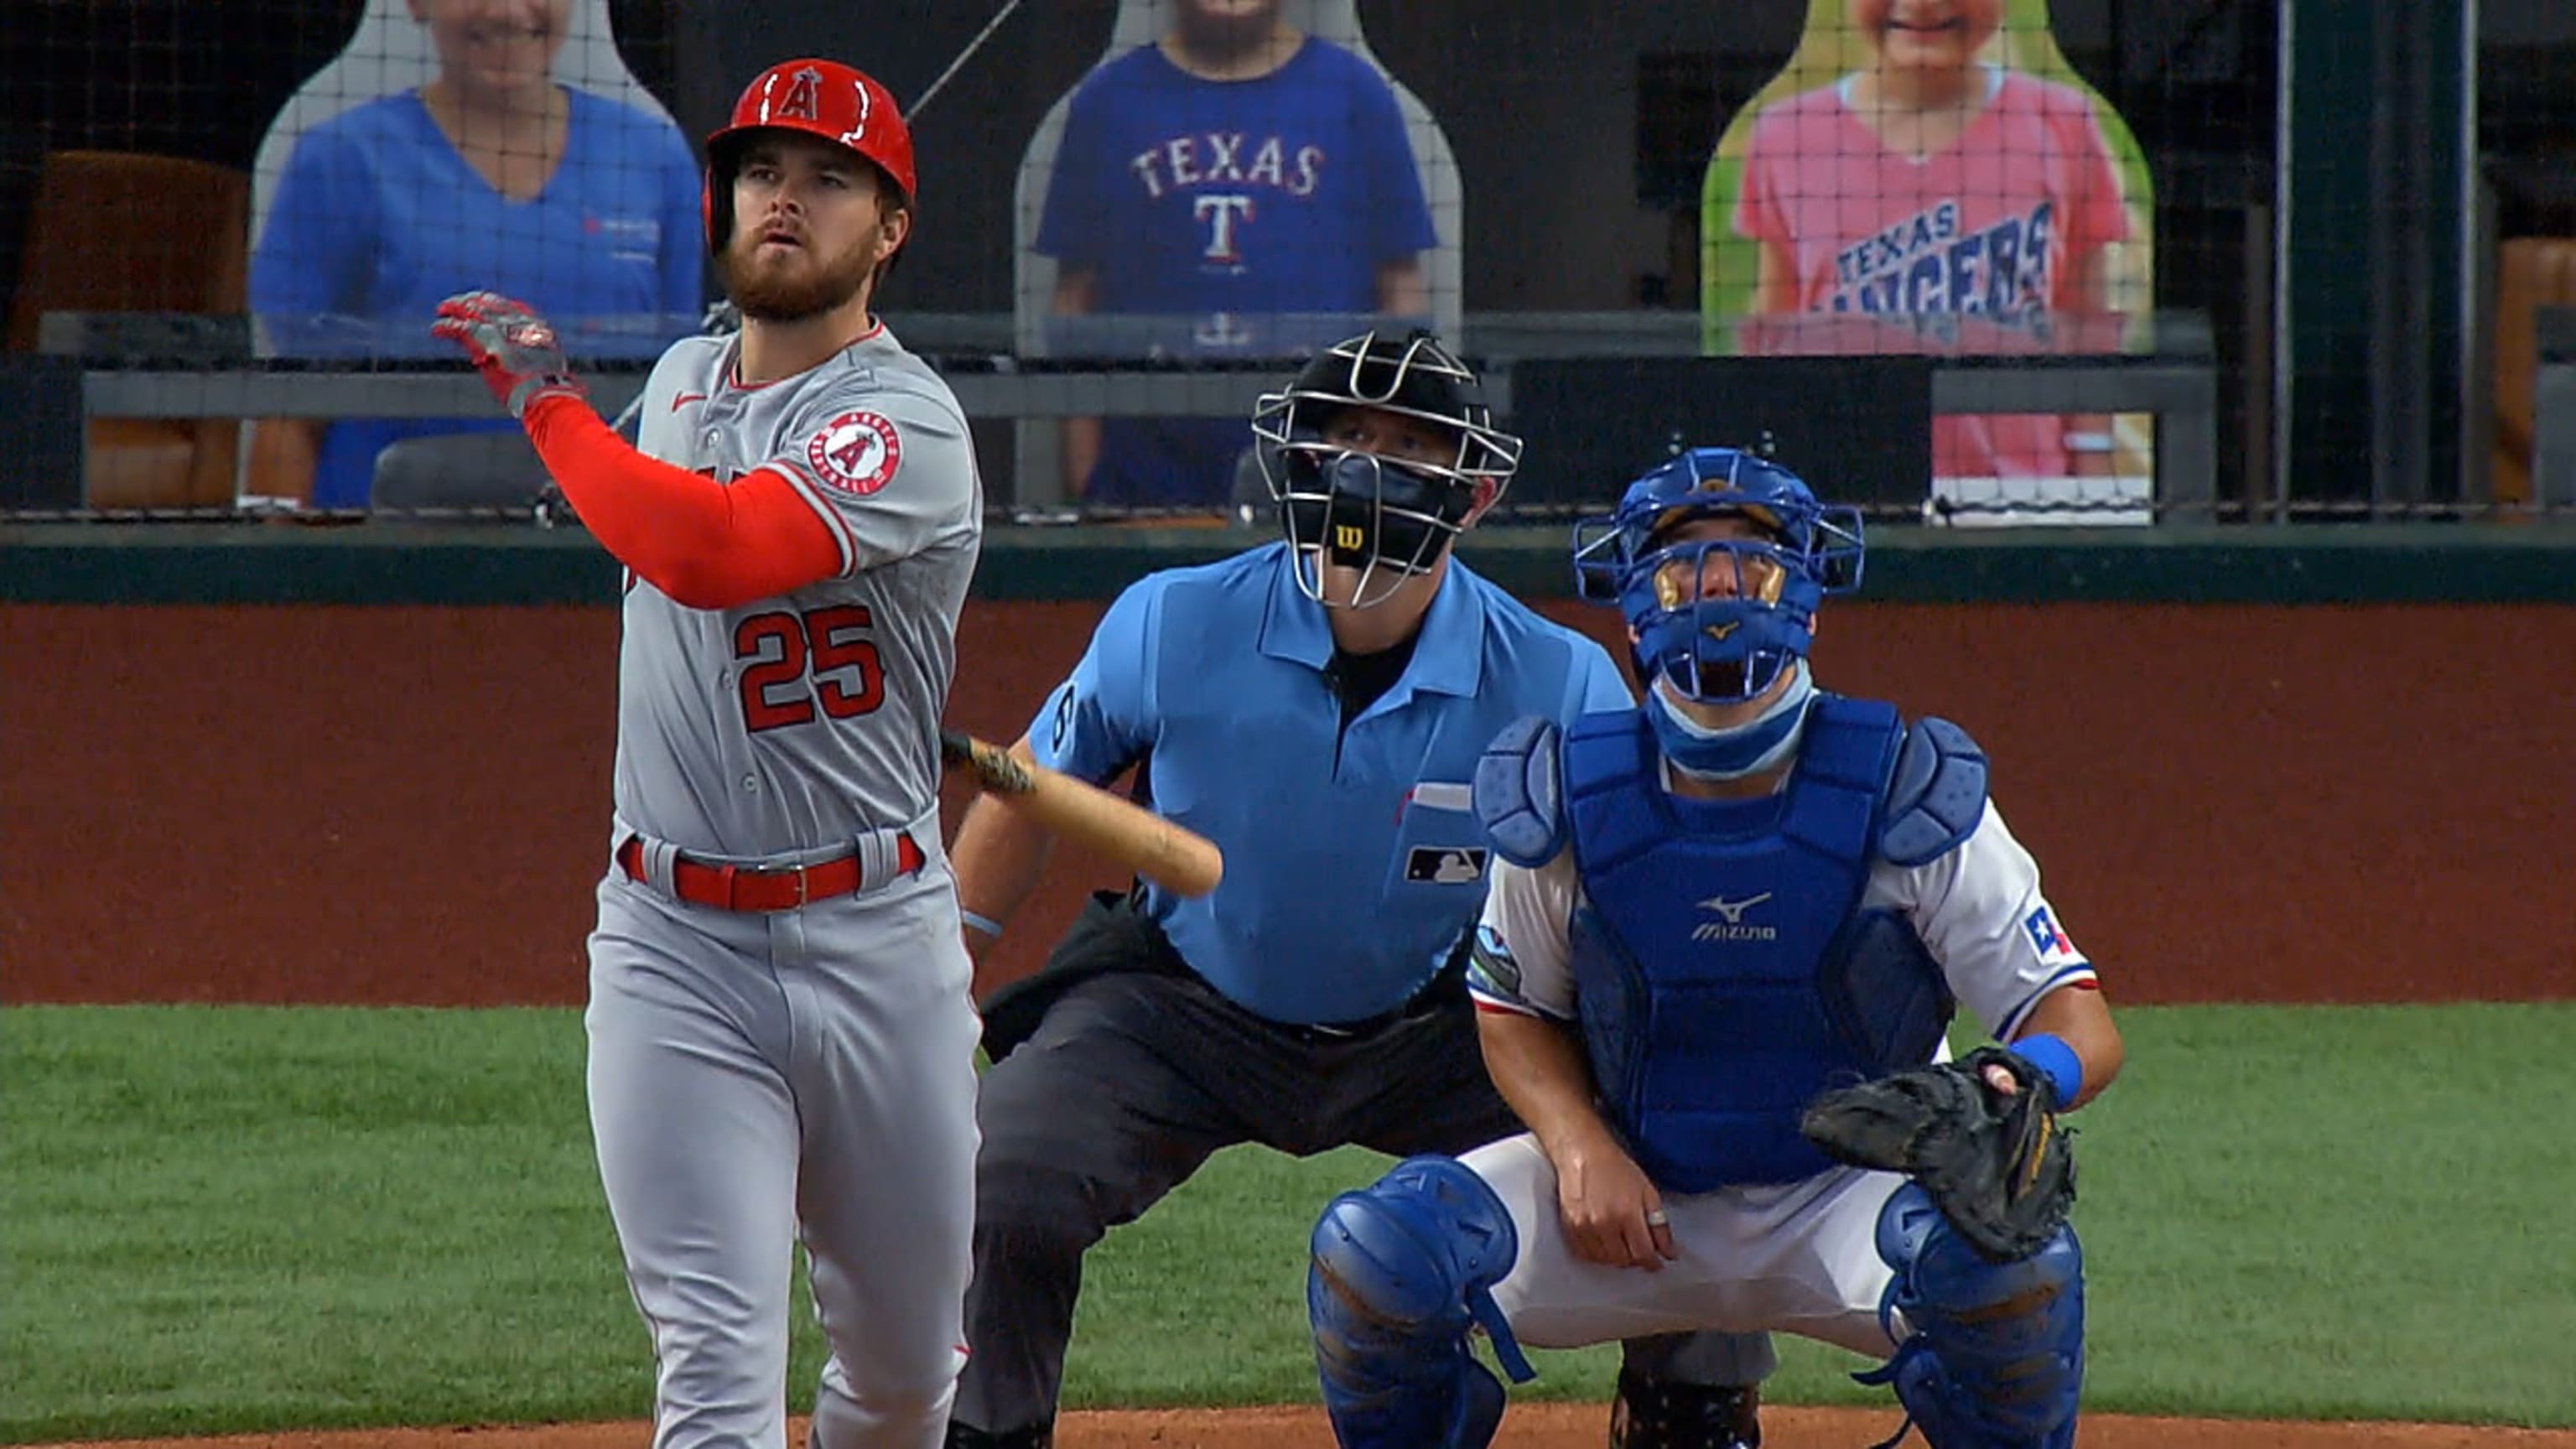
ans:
(1733, 910)
(1732, 926)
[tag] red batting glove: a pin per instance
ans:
(511, 346)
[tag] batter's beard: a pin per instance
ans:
(795, 292)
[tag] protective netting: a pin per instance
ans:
(1961, 261)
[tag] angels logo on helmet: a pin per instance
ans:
(801, 102)
(820, 98)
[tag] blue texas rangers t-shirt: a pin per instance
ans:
(376, 218)
(1216, 206)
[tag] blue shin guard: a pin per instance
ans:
(1400, 1271)
(1995, 1358)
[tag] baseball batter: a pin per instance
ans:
(1708, 909)
(781, 1040)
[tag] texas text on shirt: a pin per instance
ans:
(872, 441)
(1246, 747)
(1978, 909)
(1210, 205)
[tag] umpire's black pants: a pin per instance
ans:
(1135, 1077)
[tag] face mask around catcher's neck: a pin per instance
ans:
(1738, 750)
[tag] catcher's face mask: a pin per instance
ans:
(1718, 612)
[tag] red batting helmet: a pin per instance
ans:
(820, 98)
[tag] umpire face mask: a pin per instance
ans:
(1361, 524)
(1379, 453)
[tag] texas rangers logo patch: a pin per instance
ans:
(2050, 939)
(1492, 965)
(856, 452)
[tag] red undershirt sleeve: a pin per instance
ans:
(708, 545)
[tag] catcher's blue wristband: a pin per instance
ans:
(2058, 1061)
(985, 924)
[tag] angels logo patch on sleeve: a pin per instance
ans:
(856, 452)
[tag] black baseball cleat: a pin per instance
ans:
(1651, 1415)
(1041, 1436)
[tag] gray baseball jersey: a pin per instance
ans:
(804, 1074)
(790, 723)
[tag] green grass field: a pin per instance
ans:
(226, 1219)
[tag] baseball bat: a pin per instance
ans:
(1175, 858)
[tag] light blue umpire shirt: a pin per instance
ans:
(1353, 862)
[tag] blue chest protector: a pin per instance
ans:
(1724, 971)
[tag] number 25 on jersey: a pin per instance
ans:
(793, 662)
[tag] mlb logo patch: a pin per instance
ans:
(2051, 942)
(1444, 865)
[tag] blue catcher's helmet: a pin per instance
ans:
(1718, 619)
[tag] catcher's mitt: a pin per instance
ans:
(2000, 1167)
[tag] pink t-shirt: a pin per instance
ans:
(1982, 230)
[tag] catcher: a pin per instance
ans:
(1714, 979)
